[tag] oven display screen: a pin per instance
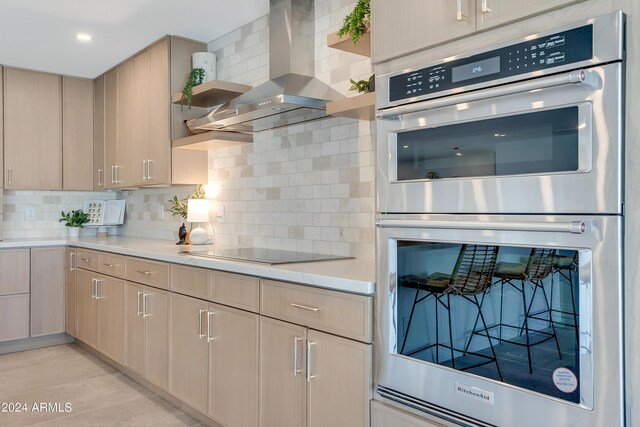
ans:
(475, 69)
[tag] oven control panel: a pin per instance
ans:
(557, 49)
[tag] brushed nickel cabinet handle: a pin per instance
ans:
(117, 181)
(9, 175)
(310, 344)
(209, 337)
(149, 169)
(296, 371)
(144, 170)
(113, 174)
(98, 283)
(71, 258)
(100, 174)
(485, 7)
(459, 15)
(139, 311)
(93, 288)
(112, 265)
(304, 307)
(146, 273)
(144, 305)
(200, 334)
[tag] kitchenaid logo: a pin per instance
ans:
(475, 393)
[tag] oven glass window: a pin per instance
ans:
(531, 143)
(510, 314)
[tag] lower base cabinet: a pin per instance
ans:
(214, 360)
(310, 378)
(14, 317)
(70, 292)
(147, 333)
(86, 308)
(47, 291)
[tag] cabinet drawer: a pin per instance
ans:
(87, 259)
(235, 290)
(14, 272)
(339, 313)
(190, 281)
(147, 272)
(111, 264)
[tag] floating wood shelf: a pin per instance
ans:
(211, 93)
(212, 140)
(361, 107)
(363, 47)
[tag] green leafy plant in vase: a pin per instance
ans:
(357, 22)
(179, 208)
(196, 77)
(75, 220)
(363, 86)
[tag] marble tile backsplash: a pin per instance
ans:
(309, 187)
(47, 206)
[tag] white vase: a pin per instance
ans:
(74, 232)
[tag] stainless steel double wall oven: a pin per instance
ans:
(500, 215)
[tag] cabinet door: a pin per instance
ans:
(110, 127)
(404, 26)
(47, 291)
(14, 271)
(1, 127)
(70, 292)
(159, 147)
(233, 366)
(497, 12)
(125, 168)
(189, 355)
(282, 374)
(140, 126)
(98, 134)
(32, 149)
(14, 317)
(110, 295)
(135, 355)
(155, 309)
(77, 134)
(341, 381)
(86, 308)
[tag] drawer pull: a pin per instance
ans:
(209, 337)
(146, 273)
(112, 265)
(304, 307)
(310, 345)
(296, 371)
(139, 311)
(87, 259)
(200, 334)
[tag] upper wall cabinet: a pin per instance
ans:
(77, 134)
(404, 26)
(33, 130)
(98, 134)
(1, 128)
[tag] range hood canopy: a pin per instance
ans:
(292, 95)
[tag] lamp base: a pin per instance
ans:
(199, 236)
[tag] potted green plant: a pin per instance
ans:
(363, 86)
(179, 208)
(195, 78)
(75, 220)
(357, 22)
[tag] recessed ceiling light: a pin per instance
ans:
(83, 37)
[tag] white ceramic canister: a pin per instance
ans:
(207, 61)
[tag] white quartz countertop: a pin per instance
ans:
(349, 275)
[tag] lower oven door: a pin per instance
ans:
(503, 320)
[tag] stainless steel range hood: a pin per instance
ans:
(292, 95)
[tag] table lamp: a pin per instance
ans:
(198, 211)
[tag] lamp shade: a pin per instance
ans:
(198, 210)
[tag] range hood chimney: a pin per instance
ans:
(292, 95)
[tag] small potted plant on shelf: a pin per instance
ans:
(357, 22)
(179, 207)
(75, 220)
(196, 77)
(364, 86)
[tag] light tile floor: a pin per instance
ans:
(98, 394)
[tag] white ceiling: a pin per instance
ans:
(41, 34)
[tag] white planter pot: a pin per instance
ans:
(74, 232)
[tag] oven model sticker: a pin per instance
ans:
(565, 380)
(474, 392)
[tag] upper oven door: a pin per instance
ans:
(547, 145)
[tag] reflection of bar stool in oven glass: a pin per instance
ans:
(535, 270)
(566, 266)
(471, 276)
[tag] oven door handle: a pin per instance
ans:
(573, 227)
(581, 77)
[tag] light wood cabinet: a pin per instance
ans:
(1, 128)
(159, 146)
(98, 134)
(77, 134)
(70, 291)
(110, 127)
(139, 139)
(404, 26)
(32, 150)
(147, 332)
(86, 308)
(110, 297)
(492, 13)
(14, 317)
(233, 365)
(47, 291)
(189, 351)
(14, 271)
(125, 167)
